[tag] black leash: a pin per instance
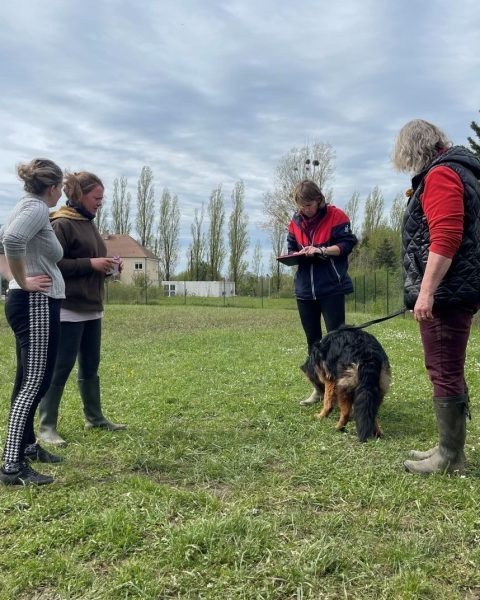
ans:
(400, 311)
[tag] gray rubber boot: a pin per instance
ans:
(314, 398)
(419, 455)
(92, 408)
(48, 417)
(451, 413)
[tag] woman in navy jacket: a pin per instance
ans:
(322, 233)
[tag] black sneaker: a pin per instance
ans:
(26, 476)
(42, 455)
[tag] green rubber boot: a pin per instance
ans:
(48, 417)
(92, 408)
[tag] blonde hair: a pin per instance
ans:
(308, 191)
(39, 174)
(417, 145)
(77, 185)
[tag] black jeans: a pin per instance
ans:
(35, 321)
(82, 340)
(332, 308)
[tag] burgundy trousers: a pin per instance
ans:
(444, 347)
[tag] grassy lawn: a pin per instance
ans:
(223, 487)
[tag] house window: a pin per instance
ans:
(138, 266)
(169, 289)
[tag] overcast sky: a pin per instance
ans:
(208, 92)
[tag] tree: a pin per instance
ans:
(145, 207)
(385, 255)
(352, 210)
(278, 237)
(197, 250)
(101, 218)
(373, 217)
(237, 234)
(168, 233)
(315, 162)
(257, 260)
(475, 146)
(121, 207)
(396, 213)
(215, 244)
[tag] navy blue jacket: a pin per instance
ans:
(318, 277)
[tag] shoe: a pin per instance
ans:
(43, 456)
(25, 476)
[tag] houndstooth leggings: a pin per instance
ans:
(35, 321)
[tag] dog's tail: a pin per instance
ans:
(367, 398)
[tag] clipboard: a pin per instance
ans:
(291, 259)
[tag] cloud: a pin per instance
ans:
(210, 93)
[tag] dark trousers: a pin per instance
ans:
(35, 321)
(444, 346)
(331, 308)
(80, 340)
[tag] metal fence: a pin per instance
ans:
(376, 292)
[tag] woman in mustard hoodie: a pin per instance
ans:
(84, 267)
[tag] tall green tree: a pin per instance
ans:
(257, 260)
(475, 146)
(168, 233)
(215, 243)
(145, 208)
(121, 207)
(373, 217)
(237, 234)
(101, 218)
(385, 255)
(352, 209)
(197, 250)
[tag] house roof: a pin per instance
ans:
(125, 247)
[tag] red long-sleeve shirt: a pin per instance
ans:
(442, 203)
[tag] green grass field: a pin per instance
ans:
(223, 487)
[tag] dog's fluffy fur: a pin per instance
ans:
(350, 368)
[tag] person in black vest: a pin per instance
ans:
(323, 233)
(441, 262)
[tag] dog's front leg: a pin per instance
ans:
(328, 400)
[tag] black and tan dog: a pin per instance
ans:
(350, 368)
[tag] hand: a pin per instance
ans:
(311, 250)
(422, 311)
(38, 283)
(102, 265)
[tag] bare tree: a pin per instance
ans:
(352, 209)
(396, 212)
(237, 234)
(121, 207)
(168, 233)
(315, 162)
(257, 260)
(278, 237)
(373, 217)
(215, 244)
(197, 250)
(145, 207)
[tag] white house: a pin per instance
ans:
(204, 289)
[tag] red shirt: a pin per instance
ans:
(442, 203)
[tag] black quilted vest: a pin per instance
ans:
(461, 284)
